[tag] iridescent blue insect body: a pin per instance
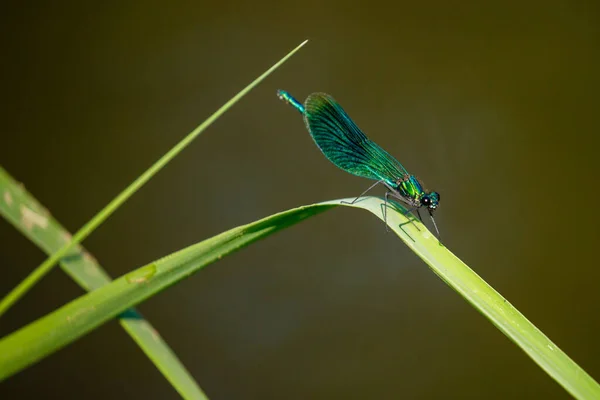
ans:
(346, 146)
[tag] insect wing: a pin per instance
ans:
(344, 144)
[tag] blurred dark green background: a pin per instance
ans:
(495, 106)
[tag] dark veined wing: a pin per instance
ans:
(344, 144)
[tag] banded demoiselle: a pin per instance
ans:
(346, 146)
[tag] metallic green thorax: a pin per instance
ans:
(346, 146)
(410, 187)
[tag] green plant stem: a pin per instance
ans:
(91, 225)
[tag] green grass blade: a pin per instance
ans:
(23, 211)
(73, 320)
(92, 224)
(53, 331)
(489, 302)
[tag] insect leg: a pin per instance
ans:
(362, 194)
(385, 206)
(436, 228)
(408, 210)
(406, 213)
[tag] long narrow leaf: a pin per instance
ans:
(50, 333)
(103, 214)
(26, 214)
(70, 322)
(490, 303)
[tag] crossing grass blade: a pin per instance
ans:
(26, 214)
(63, 326)
(103, 214)
(48, 334)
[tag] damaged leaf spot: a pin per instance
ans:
(8, 198)
(89, 258)
(142, 275)
(30, 218)
(153, 332)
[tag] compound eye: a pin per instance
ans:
(426, 201)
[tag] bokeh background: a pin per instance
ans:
(494, 105)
